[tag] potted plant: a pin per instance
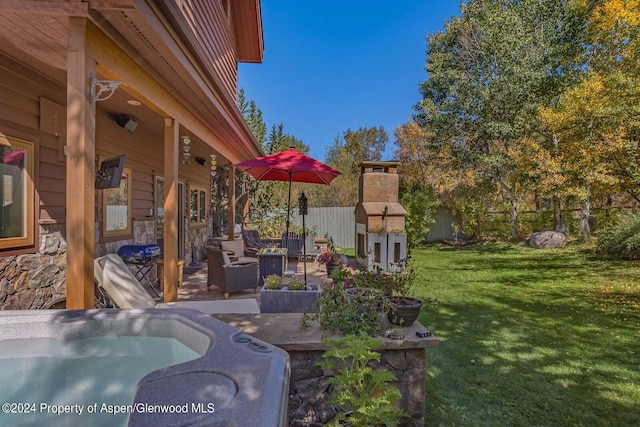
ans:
(291, 297)
(329, 257)
(273, 282)
(404, 309)
(296, 285)
(345, 309)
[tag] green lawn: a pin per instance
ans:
(530, 337)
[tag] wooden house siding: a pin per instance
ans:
(20, 92)
(144, 153)
(210, 25)
(21, 89)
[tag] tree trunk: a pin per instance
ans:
(557, 214)
(514, 217)
(585, 212)
(513, 202)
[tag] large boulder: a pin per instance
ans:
(547, 240)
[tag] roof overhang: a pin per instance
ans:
(149, 34)
(246, 22)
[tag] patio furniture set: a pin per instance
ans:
(229, 268)
(239, 264)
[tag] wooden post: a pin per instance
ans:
(232, 201)
(80, 174)
(171, 145)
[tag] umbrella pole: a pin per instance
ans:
(286, 241)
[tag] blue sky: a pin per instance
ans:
(336, 65)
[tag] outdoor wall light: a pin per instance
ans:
(126, 122)
(186, 148)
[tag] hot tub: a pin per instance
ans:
(151, 367)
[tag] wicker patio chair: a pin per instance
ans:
(231, 276)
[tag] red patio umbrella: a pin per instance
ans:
(291, 166)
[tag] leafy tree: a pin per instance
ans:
(420, 206)
(488, 72)
(253, 116)
(347, 152)
(594, 122)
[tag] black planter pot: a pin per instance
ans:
(331, 267)
(404, 310)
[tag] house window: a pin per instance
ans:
(16, 193)
(197, 207)
(116, 216)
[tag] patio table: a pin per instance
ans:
(272, 261)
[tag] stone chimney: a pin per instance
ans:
(381, 241)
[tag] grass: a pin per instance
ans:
(530, 337)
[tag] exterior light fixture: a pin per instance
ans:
(186, 148)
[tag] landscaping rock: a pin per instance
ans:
(547, 240)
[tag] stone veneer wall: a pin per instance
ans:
(199, 237)
(34, 281)
(309, 393)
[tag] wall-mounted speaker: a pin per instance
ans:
(126, 122)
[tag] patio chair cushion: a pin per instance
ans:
(253, 241)
(237, 246)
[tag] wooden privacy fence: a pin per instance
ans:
(337, 222)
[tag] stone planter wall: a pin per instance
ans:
(309, 393)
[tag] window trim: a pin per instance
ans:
(28, 239)
(125, 231)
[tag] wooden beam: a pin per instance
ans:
(117, 65)
(80, 174)
(171, 146)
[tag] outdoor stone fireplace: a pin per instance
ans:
(381, 241)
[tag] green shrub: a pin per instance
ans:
(296, 285)
(364, 394)
(621, 238)
(273, 282)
